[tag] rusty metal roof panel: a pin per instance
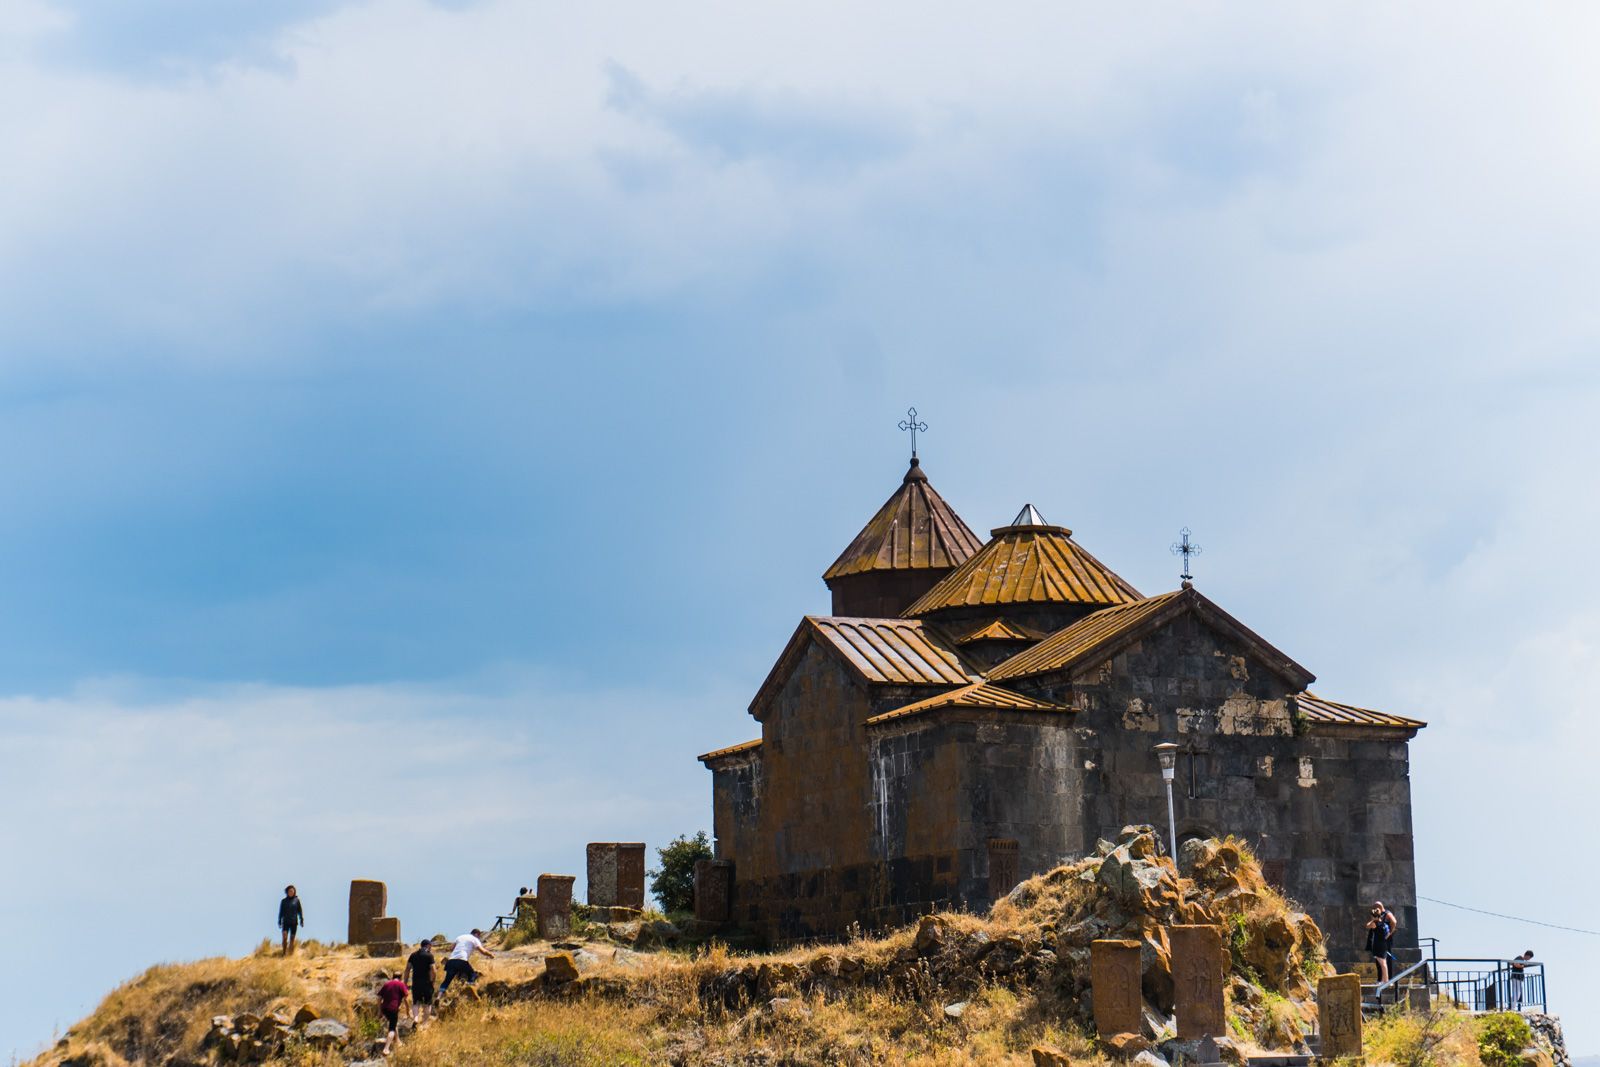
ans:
(895, 651)
(914, 530)
(994, 630)
(980, 695)
(732, 750)
(1318, 710)
(1066, 647)
(1027, 565)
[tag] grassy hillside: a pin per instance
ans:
(953, 989)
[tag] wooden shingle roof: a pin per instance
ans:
(979, 695)
(880, 651)
(1330, 713)
(1097, 637)
(1027, 564)
(914, 530)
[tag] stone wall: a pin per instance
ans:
(1326, 809)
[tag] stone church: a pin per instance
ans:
(972, 713)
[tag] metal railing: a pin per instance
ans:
(1491, 985)
(1477, 985)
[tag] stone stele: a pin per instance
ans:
(1199, 974)
(368, 901)
(554, 907)
(1114, 976)
(616, 874)
(1339, 1015)
(713, 890)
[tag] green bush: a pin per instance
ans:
(1501, 1039)
(673, 882)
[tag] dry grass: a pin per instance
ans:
(1436, 1039)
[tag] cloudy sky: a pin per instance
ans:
(421, 424)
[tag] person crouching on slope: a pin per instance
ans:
(391, 998)
(419, 972)
(291, 916)
(459, 964)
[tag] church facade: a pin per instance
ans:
(972, 713)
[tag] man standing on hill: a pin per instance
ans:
(419, 972)
(291, 916)
(1519, 968)
(459, 964)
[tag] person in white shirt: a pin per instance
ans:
(459, 965)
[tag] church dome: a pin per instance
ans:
(1028, 562)
(912, 541)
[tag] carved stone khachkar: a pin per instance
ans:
(385, 938)
(1339, 1015)
(1199, 975)
(713, 890)
(1114, 977)
(554, 906)
(616, 874)
(368, 901)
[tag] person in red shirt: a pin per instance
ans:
(391, 998)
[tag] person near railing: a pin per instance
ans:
(1519, 964)
(1380, 938)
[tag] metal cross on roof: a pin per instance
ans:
(910, 423)
(1187, 550)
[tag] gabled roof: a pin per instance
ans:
(1030, 563)
(1318, 710)
(981, 695)
(732, 750)
(1097, 637)
(881, 651)
(914, 530)
(993, 630)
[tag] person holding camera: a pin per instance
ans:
(1380, 938)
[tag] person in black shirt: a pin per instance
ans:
(291, 916)
(419, 975)
(1519, 967)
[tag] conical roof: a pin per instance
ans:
(914, 530)
(1028, 562)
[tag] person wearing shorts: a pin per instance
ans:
(391, 998)
(419, 973)
(459, 965)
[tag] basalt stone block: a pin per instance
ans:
(713, 890)
(1114, 977)
(1199, 975)
(616, 874)
(368, 901)
(554, 906)
(1339, 1015)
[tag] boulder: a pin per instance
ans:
(930, 935)
(325, 1032)
(560, 967)
(306, 1014)
(1049, 1056)
(1126, 1046)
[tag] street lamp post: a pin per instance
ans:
(1167, 753)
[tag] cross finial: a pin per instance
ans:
(1187, 549)
(910, 423)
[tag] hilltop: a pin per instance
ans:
(1009, 987)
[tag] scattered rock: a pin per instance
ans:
(930, 935)
(1126, 1046)
(1049, 1056)
(956, 1010)
(560, 967)
(325, 1031)
(306, 1014)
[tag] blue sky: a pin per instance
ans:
(396, 395)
